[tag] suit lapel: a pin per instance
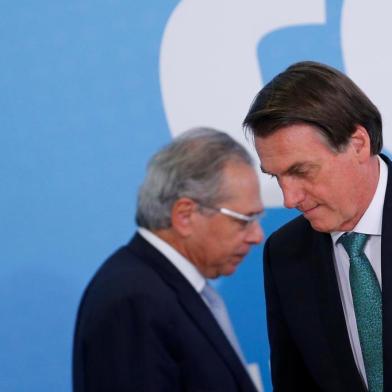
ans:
(331, 313)
(193, 305)
(202, 317)
(330, 302)
(386, 273)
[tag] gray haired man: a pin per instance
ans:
(149, 320)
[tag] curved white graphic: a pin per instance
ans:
(366, 31)
(209, 69)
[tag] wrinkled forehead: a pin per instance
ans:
(291, 145)
(293, 132)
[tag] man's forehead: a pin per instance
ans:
(289, 147)
(292, 133)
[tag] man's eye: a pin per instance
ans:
(300, 173)
(243, 225)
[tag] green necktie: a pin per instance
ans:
(366, 295)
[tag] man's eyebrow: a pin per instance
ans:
(287, 171)
(292, 169)
(263, 170)
(260, 213)
(301, 166)
(295, 167)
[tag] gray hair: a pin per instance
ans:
(191, 166)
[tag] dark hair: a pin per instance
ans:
(319, 95)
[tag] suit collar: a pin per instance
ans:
(186, 268)
(386, 272)
(192, 304)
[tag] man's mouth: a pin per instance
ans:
(240, 256)
(308, 211)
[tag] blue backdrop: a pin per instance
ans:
(88, 91)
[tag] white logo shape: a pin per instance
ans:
(209, 68)
(366, 32)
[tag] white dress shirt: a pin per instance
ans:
(190, 273)
(186, 268)
(370, 223)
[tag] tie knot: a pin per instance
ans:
(353, 243)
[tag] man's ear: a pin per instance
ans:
(181, 215)
(360, 141)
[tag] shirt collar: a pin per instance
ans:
(186, 268)
(371, 221)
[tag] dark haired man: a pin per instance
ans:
(329, 322)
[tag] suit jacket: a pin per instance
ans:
(310, 346)
(141, 326)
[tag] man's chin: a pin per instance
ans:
(226, 270)
(320, 226)
(229, 270)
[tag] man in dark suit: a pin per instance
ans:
(144, 322)
(329, 322)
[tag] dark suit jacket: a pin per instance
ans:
(310, 347)
(142, 327)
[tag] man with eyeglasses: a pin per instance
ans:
(149, 320)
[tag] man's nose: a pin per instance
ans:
(293, 193)
(256, 233)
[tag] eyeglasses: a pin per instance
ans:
(247, 219)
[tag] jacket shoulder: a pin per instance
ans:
(294, 231)
(126, 276)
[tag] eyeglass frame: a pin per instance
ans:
(248, 219)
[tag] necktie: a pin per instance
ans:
(218, 309)
(367, 301)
